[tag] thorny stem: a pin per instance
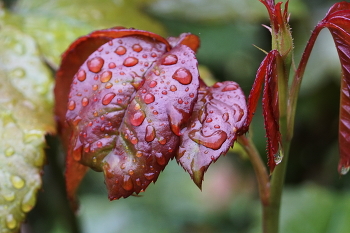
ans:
(258, 166)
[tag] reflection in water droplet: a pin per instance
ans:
(137, 118)
(106, 76)
(213, 141)
(149, 98)
(71, 105)
(11, 222)
(121, 50)
(170, 59)
(127, 183)
(17, 182)
(130, 61)
(108, 98)
(81, 75)
(137, 48)
(95, 64)
(150, 133)
(183, 76)
(9, 151)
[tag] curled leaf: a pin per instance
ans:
(218, 116)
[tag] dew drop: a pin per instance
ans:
(112, 65)
(71, 105)
(208, 120)
(130, 61)
(162, 140)
(138, 154)
(137, 48)
(153, 55)
(180, 101)
(183, 76)
(230, 87)
(127, 183)
(11, 222)
(217, 126)
(28, 202)
(150, 133)
(160, 159)
(9, 151)
(138, 182)
(137, 118)
(344, 170)
(106, 76)
(108, 98)
(155, 112)
(99, 144)
(85, 101)
(121, 50)
(122, 166)
(109, 85)
(149, 98)
(152, 83)
(17, 182)
(173, 88)
(191, 95)
(170, 59)
(149, 176)
(81, 75)
(213, 141)
(164, 92)
(225, 116)
(9, 196)
(137, 106)
(95, 64)
(134, 140)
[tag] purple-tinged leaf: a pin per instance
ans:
(344, 129)
(218, 116)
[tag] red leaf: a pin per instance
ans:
(337, 21)
(217, 117)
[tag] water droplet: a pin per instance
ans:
(106, 76)
(130, 61)
(183, 76)
(17, 182)
(99, 144)
(81, 75)
(9, 196)
(95, 64)
(9, 151)
(191, 95)
(162, 140)
(85, 101)
(137, 48)
(110, 42)
(344, 170)
(138, 154)
(152, 83)
(138, 182)
(28, 202)
(108, 98)
(230, 87)
(108, 85)
(71, 105)
(160, 159)
(225, 116)
(164, 92)
(94, 159)
(150, 133)
(149, 98)
(213, 141)
(155, 112)
(208, 120)
(180, 101)
(217, 85)
(173, 88)
(217, 126)
(11, 222)
(134, 140)
(112, 65)
(127, 183)
(121, 50)
(137, 118)
(131, 172)
(122, 166)
(278, 157)
(94, 87)
(170, 59)
(149, 176)
(153, 55)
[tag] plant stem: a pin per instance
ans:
(258, 166)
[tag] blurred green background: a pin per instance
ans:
(316, 199)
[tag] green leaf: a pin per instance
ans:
(25, 117)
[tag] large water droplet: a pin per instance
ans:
(17, 182)
(152, 83)
(9, 151)
(127, 183)
(230, 87)
(112, 65)
(183, 76)
(170, 59)
(108, 98)
(213, 141)
(149, 98)
(121, 50)
(81, 75)
(106, 76)
(130, 61)
(137, 118)
(134, 140)
(95, 64)
(137, 48)
(173, 88)
(28, 202)
(11, 222)
(71, 105)
(150, 133)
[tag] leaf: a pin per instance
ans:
(218, 116)
(25, 117)
(267, 73)
(337, 21)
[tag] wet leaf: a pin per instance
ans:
(217, 119)
(25, 117)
